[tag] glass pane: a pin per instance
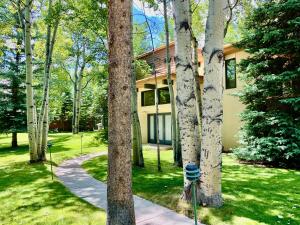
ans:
(148, 98)
(168, 128)
(161, 127)
(151, 130)
(230, 71)
(164, 96)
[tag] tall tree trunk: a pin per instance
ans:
(15, 91)
(185, 100)
(197, 93)
(45, 127)
(79, 93)
(42, 121)
(137, 147)
(14, 140)
(31, 121)
(120, 210)
(75, 88)
(156, 92)
(211, 152)
(175, 145)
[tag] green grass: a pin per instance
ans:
(27, 193)
(253, 195)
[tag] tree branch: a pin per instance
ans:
(230, 7)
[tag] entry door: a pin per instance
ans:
(164, 126)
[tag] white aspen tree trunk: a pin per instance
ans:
(177, 159)
(120, 208)
(42, 121)
(211, 152)
(45, 132)
(45, 88)
(185, 99)
(45, 127)
(31, 121)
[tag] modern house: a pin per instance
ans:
(146, 96)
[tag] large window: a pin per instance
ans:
(230, 73)
(148, 98)
(164, 96)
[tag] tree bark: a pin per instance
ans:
(211, 152)
(31, 121)
(175, 145)
(75, 87)
(156, 91)
(185, 99)
(43, 116)
(79, 93)
(137, 147)
(14, 140)
(197, 93)
(120, 210)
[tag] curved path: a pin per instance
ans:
(93, 191)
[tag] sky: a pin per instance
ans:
(155, 18)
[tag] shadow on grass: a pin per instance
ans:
(30, 189)
(57, 140)
(265, 195)
(256, 194)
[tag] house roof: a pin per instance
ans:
(228, 48)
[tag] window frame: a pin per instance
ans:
(158, 92)
(226, 77)
(142, 98)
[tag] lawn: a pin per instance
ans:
(252, 194)
(27, 193)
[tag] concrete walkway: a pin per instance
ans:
(93, 191)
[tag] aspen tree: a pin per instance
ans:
(211, 144)
(185, 100)
(31, 121)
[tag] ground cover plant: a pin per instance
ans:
(27, 193)
(253, 194)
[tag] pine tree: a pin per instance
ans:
(271, 132)
(12, 77)
(120, 205)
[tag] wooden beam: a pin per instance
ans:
(149, 86)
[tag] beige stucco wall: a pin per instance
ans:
(232, 107)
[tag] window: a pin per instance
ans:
(230, 73)
(148, 98)
(164, 96)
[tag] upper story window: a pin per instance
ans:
(148, 98)
(230, 73)
(164, 96)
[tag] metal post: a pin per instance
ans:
(49, 145)
(192, 173)
(81, 143)
(51, 162)
(194, 201)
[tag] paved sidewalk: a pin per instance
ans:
(93, 191)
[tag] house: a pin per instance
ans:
(146, 96)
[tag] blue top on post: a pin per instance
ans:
(192, 172)
(49, 144)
